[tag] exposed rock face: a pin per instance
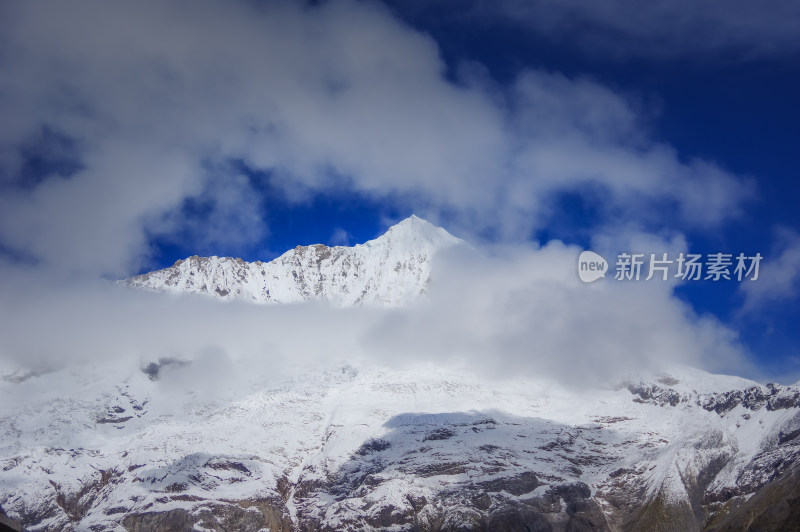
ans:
(386, 271)
(774, 506)
(772, 396)
(7, 524)
(244, 516)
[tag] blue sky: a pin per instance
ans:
(136, 136)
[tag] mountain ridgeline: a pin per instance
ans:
(389, 270)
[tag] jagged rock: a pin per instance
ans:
(373, 446)
(773, 396)
(244, 516)
(517, 485)
(774, 506)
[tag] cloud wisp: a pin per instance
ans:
(659, 29)
(779, 279)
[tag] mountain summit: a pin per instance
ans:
(388, 270)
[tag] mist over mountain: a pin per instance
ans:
(369, 388)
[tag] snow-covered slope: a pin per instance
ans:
(386, 271)
(365, 448)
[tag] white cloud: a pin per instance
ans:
(518, 310)
(341, 94)
(778, 276)
(339, 237)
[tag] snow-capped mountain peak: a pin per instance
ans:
(416, 232)
(388, 270)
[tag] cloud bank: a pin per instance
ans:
(510, 311)
(141, 113)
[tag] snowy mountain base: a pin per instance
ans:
(418, 449)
